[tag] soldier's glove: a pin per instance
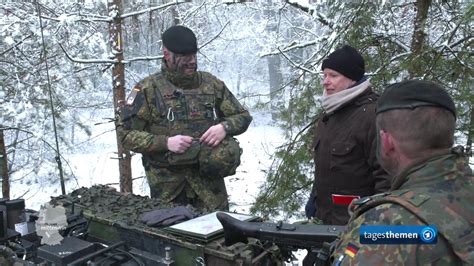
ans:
(310, 207)
(165, 217)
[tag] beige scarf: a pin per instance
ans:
(331, 103)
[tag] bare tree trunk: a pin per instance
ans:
(73, 131)
(4, 168)
(136, 29)
(418, 39)
(174, 13)
(470, 134)
(274, 72)
(118, 84)
(275, 76)
(239, 80)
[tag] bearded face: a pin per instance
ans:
(183, 63)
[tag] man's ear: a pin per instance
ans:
(388, 142)
(168, 56)
(166, 52)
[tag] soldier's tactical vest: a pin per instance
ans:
(412, 202)
(191, 112)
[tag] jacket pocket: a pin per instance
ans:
(343, 156)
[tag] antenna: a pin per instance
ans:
(58, 155)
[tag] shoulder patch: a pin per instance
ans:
(416, 199)
(351, 250)
(133, 95)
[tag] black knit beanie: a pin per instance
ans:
(180, 40)
(347, 61)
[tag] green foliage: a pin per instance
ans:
(291, 172)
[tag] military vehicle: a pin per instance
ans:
(103, 227)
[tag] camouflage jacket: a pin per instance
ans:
(164, 105)
(439, 190)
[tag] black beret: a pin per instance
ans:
(411, 94)
(347, 61)
(180, 40)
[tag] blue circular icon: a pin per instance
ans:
(428, 235)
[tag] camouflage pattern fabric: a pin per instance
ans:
(167, 104)
(220, 161)
(441, 191)
(185, 186)
(7, 256)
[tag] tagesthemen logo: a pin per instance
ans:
(398, 234)
(429, 235)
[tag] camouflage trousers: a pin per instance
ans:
(185, 186)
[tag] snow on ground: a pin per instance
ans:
(258, 144)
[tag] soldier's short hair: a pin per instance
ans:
(420, 114)
(420, 130)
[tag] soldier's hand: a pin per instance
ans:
(179, 143)
(214, 135)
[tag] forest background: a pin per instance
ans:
(65, 64)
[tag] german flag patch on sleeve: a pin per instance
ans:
(133, 94)
(351, 250)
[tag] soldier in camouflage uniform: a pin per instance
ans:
(183, 122)
(433, 183)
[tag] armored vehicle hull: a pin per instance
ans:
(113, 219)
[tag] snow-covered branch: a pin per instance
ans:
(143, 58)
(96, 18)
(306, 7)
(15, 45)
(79, 18)
(292, 46)
(393, 39)
(296, 65)
(108, 61)
(147, 10)
(215, 37)
(87, 61)
(188, 14)
(457, 58)
(467, 38)
(396, 57)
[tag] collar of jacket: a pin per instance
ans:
(181, 80)
(438, 166)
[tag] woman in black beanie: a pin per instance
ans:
(344, 140)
